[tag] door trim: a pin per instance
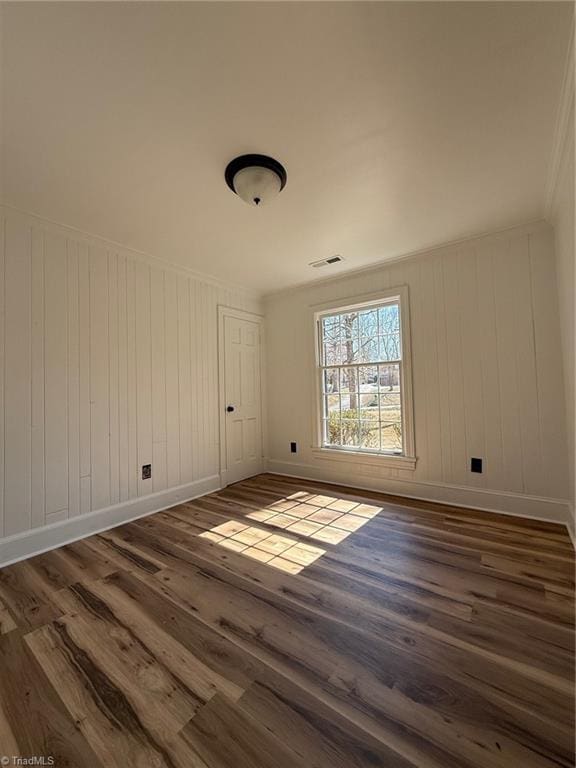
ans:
(240, 314)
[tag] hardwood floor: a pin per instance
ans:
(282, 623)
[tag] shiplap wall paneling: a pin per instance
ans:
(199, 404)
(195, 390)
(56, 377)
(551, 415)
(108, 362)
(185, 357)
(99, 379)
(17, 379)
(471, 343)
(207, 394)
(431, 373)
(123, 388)
(521, 299)
(158, 340)
(133, 463)
(73, 355)
(439, 362)
(455, 390)
(2, 367)
(487, 370)
(143, 375)
(84, 416)
(495, 470)
(114, 380)
(213, 453)
(419, 375)
(172, 346)
(38, 455)
(504, 287)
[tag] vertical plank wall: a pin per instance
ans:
(107, 362)
(487, 374)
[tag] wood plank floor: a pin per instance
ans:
(282, 623)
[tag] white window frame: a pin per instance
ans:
(406, 459)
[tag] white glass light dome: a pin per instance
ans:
(256, 186)
(256, 179)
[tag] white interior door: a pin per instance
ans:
(241, 397)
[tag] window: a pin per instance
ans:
(364, 388)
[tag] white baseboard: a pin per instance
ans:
(571, 524)
(502, 502)
(38, 540)
(34, 542)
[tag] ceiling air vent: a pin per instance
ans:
(326, 262)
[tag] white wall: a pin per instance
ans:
(487, 375)
(109, 361)
(562, 216)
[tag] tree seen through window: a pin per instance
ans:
(361, 379)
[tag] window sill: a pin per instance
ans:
(359, 457)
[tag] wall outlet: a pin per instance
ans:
(476, 465)
(146, 471)
(293, 448)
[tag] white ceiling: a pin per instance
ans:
(401, 125)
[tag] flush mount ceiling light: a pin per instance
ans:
(256, 179)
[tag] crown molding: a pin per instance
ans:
(564, 128)
(155, 261)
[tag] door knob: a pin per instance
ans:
(230, 408)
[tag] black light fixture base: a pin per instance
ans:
(248, 161)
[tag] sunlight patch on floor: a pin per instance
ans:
(268, 547)
(322, 518)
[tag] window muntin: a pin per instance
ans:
(360, 356)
